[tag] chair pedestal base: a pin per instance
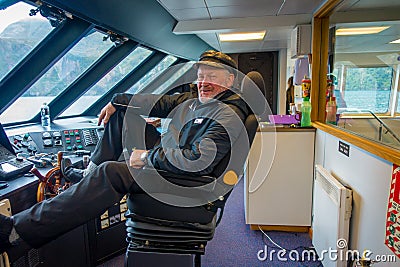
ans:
(145, 259)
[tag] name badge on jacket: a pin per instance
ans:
(198, 121)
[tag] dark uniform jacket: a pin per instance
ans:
(198, 135)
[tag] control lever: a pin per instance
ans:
(82, 152)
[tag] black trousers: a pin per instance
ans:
(98, 191)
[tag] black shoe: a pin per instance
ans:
(70, 173)
(6, 225)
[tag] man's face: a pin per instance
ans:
(212, 81)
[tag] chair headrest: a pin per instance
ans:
(253, 91)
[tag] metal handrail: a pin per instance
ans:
(397, 138)
(384, 125)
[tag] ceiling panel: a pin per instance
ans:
(274, 45)
(265, 10)
(179, 4)
(207, 18)
(369, 42)
(241, 47)
(214, 3)
(278, 33)
(190, 14)
(368, 4)
(244, 47)
(299, 7)
(243, 11)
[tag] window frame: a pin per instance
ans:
(320, 47)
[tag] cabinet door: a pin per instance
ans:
(279, 179)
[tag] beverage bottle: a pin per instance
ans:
(306, 113)
(306, 86)
(331, 111)
(45, 115)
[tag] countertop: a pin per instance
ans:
(268, 127)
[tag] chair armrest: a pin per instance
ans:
(181, 179)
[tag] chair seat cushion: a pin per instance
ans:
(147, 206)
(203, 230)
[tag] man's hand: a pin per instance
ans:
(106, 113)
(134, 160)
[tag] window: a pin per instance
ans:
(108, 81)
(57, 78)
(152, 74)
(19, 34)
(178, 71)
(366, 87)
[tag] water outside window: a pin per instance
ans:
(366, 88)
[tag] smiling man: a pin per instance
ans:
(204, 124)
(211, 78)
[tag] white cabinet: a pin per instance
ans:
(279, 178)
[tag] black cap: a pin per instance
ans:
(218, 60)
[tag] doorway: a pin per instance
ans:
(266, 63)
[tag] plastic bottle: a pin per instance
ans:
(331, 111)
(45, 115)
(306, 86)
(306, 113)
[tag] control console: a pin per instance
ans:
(53, 141)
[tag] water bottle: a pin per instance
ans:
(306, 113)
(45, 115)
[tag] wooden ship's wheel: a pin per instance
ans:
(53, 183)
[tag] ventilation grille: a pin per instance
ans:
(328, 183)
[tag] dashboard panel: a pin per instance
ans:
(78, 141)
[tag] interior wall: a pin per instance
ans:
(369, 177)
(282, 81)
